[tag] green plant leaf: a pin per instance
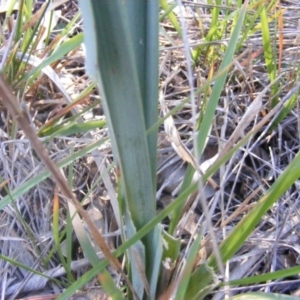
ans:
(186, 271)
(219, 83)
(201, 282)
(110, 287)
(129, 102)
(25, 187)
(62, 50)
(263, 296)
(245, 227)
(168, 11)
(264, 277)
(70, 129)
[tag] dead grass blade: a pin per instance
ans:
(248, 117)
(11, 104)
(34, 19)
(179, 147)
(280, 37)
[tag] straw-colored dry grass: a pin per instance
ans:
(26, 224)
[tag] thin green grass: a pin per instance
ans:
(131, 117)
(171, 16)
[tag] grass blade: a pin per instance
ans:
(268, 53)
(246, 226)
(219, 83)
(130, 102)
(168, 10)
(264, 296)
(45, 174)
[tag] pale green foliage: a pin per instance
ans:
(121, 42)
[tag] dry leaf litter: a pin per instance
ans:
(26, 223)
